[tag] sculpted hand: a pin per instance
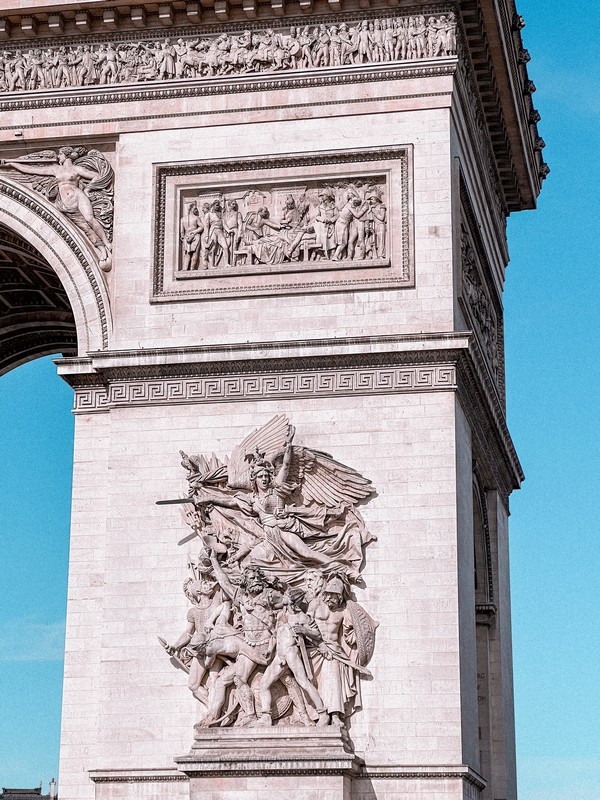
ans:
(324, 650)
(290, 434)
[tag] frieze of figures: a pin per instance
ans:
(479, 303)
(229, 54)
(344, 220)
(274, 635)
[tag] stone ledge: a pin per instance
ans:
(284, 750)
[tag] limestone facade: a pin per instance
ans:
(385, 352)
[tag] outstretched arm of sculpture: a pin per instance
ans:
(37, 170)
(222, 578)
(282, 475)
(184, 639)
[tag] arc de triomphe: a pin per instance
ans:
(269, 241)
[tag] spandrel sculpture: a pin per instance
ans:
(274, 635)
(79, 182)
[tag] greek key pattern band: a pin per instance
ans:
(265, 387)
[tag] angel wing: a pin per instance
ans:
(325, 481)
(100, 190)
(268, 440)
(44, 184)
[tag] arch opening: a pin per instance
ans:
(36, 318)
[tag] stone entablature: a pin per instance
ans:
(284, 371)
(207, 54)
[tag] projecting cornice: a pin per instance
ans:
(282, 371)
(490, 44)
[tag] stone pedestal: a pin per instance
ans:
(277, 762)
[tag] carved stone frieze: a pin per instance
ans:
(346, 224)
(250, 51)
(280, 386)
(80, 185)
(479, 305)
(274, 635)
(298, 224)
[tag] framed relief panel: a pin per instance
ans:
(289, 224)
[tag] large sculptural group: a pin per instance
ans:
(311, 46)
(342, 222)
(273, 634)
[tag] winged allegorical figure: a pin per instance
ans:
(80, 184)
(280, 532)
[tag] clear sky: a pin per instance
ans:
(551, 311)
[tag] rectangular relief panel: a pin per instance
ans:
(335, 221)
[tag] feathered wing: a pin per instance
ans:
(327, 482)
(268, 440)
(44, 184)
(100, 190)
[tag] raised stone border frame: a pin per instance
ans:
(170, 180)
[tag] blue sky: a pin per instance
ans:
(553, 381)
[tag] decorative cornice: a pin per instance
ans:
(373, 365)
(301, 767)
(50, 25)
(136, 776)
(259, 83)
(266, 387)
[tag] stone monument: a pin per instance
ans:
(269, 241)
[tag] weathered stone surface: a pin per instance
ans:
(380, 341)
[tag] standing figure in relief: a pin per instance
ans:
(19, 71)
(233, 225)
(324, 223)
(257, 601)
(365, 52)
(389, 35)
(62, 74)
(294, 626)
(348, 45)
(336, 677)
(420, 34)
(108, 62)
(190, 233)
(347, 235)
(205, 596)
(451, 35)
(85, 69)
(294, 49)
(36, 73)
(215, 243)
(166, 60)
(321, 58)
(376, 35)
(379, 217)
(305, 40)
(401, 49)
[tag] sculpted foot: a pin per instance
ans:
(323, 720)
